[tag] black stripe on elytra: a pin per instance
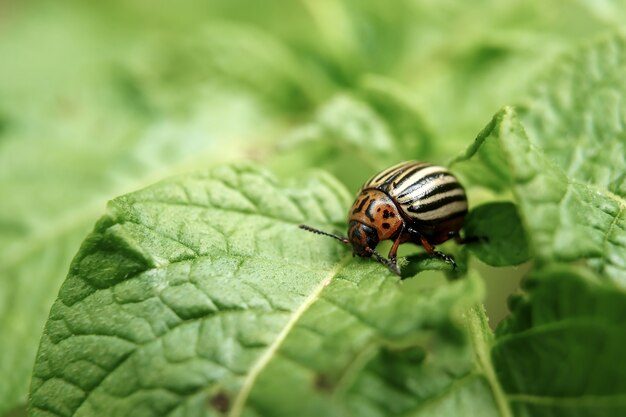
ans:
(435, 205)
(360, 207)
(442, 189)
(449, 217)
(370, 210)
(388, 181)
(388, 172)
(422, 182)
(382, 175)
(409, 174)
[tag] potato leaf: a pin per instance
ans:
(200, 296)
(566, 220)
(496, 235)
(576, 113)
(560, 353)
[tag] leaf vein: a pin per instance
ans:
(263, 360)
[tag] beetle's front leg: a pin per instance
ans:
(393, 252)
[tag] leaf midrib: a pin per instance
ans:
(555, 326)
(583, 400)
(264, 359)
(476, 323)
(266, 356)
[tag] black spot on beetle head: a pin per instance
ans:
(386, 226)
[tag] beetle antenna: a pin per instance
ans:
(380, 258)
(320, 232)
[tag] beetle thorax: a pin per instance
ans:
(375, 210)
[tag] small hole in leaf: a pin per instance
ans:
(323, 383)
(221, 402)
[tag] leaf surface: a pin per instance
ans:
(496, 234)
(560, 353)
(200, 296)
(576, 114)
(566, 220)
(354, 135)
(64, 152)
(69, 146)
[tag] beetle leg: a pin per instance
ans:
(446, 258)
(393, 252)
(430, 249)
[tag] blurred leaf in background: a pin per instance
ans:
(97, 100)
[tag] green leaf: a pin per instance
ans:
(423, 262)
(55, 177)
(357, 134)
(561, 351)
(413, 136)
(346, 137)
(565, 220)
(200, 295)
(177, 71)
(199, 90)
(576, 114)
(351, 123)
(498, 233)
(42, 222)
(471, 58)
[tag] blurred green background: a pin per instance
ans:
(100, 99)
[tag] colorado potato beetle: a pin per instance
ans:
(412, 202)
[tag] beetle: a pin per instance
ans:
(412, 201)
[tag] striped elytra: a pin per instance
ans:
(412, 202)
(424, 192)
